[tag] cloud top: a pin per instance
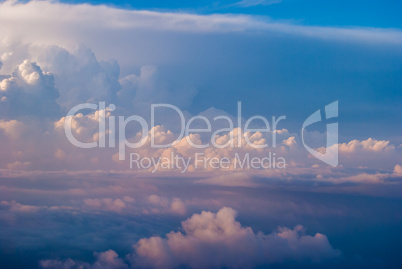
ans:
(216, 240)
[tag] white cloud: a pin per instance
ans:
(29, 91)
(33, 87)
(366, 145)
(216, 240)
(177, 206)
(99, 27)
(163, 205)
(79, 76)
(376, 154)
(18, 136)
(108, 204)
(398, 169)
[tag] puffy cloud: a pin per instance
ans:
(79, 76)
(232, 157)
(12, 128)
(108, 204)
(290, 142)
(369, 145)
(85, 128)
(25, 142)
(108, 259)
(373, 153)
(62, 196)
(216, 240)
(225, 155)
(29, 91)
(177, 206)
(161, 204)
(398, 169)
(157, 200)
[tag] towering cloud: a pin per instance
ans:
(28, 91)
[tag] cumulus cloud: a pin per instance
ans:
(216, 240)
(51, 202)
(79, 76)
(147, 204)
(85, 128)
(28, 91)
(398, 169)
(221, 153)
(369, 145)
(372, 153)
(46, 74)
(227, 155)
(160, 204)
(24, 141)
(108, 204)
(33, 89)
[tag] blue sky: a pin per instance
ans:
(362, 75)
(201, 61)
(363, 13)
(63, 206)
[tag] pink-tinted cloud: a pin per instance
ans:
(216, 240)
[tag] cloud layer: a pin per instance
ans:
(215, 240)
